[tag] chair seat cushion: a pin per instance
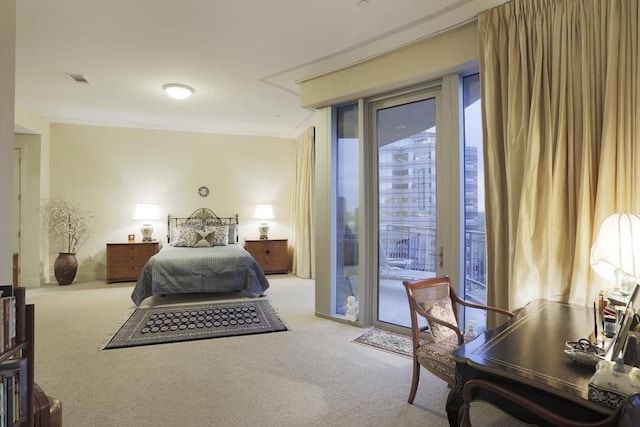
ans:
(436, 356)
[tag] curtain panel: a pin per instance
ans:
(302, 234)
(560, 106)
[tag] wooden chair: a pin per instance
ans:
(627, 415)
(436, 300)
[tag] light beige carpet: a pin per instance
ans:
(311, 375)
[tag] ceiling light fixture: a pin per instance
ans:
(178, 91)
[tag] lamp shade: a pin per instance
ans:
(146, 212)
(617, 246)
(263, 212)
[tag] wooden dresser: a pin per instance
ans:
(271, 254)
(125, 260)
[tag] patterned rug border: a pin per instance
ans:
(128, 334)
(391, 342)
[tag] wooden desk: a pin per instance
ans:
(526, 355)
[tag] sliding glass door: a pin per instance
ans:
(405, 136)
(408, 194)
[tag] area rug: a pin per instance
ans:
(387, 341)
(167, 324)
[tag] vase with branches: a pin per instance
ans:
(67, 219)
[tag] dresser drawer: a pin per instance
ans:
(129, 261)
(133, 250)
(125, 273)
(272, 255)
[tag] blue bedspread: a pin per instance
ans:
(176, 270)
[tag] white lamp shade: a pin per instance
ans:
(617, 246)
(263, 212)
(146, 212)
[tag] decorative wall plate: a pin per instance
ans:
(203, 191)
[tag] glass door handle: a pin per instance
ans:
(440, 255)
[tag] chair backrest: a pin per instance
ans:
(432, 297)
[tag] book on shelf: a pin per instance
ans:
(13, 373)
(8, 315)
(12, 309)
(14, 366)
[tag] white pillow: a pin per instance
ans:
(233, 233)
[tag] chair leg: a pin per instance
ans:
(414, 381)
(465, 420)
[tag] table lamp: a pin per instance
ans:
(615, 255)
(146, 212)
(263, 212)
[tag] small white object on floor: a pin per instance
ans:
(351, 309)
(470, 329)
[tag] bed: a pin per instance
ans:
(202, 255)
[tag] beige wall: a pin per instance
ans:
(109, 170)
(7, 92)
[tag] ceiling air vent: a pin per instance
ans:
(79, 78)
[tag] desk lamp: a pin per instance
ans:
(146, 212)
(615, 255)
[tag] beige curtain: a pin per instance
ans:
(302, 234)
(562, 147)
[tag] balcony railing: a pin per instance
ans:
(418, 244)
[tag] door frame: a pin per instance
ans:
(449, 217)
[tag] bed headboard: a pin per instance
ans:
(200, 218)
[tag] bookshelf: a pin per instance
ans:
(17, 358)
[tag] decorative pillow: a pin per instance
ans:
(202, 243)
(217, 235)
(187, 237)
(442, 310)
(233, 233)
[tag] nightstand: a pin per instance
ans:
(125, 260)
(271, 254)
